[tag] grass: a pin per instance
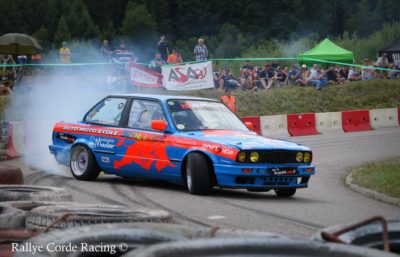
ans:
(383, 177)
(351, 96)
(3, 104)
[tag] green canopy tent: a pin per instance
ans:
(326, 51)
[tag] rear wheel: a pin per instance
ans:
(83, 164)
(198, 174)
(287, 192)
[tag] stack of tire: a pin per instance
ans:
(3, 139)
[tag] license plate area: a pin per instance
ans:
(282, 171)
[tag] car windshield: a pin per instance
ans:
(199, 115)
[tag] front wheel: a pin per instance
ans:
(198, 174)
(288, 192)
(83, 163)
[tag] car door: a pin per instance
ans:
(143, 151)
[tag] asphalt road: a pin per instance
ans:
(325, 203)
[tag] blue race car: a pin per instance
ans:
(193, 141)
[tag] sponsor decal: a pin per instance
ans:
(99, 143)
(105, 159)
(91, 130)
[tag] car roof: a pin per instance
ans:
(162, 97)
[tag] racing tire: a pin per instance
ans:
(33, 193)
(83, 164)
(104, 238)
(10, 175)
(11, 218)
(250, 247)
(198, 174)
(287, 192)
(88, 214)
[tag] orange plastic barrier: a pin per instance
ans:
(256, 123)
(301, 124)
(356, 121)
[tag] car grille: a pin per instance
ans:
(277, 156)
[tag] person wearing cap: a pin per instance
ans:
(229, 100)
(294, 74)
(174, 57)
(65, 53)
(367, 72)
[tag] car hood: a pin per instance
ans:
(243, 140)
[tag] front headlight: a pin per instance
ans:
(299, 157)
(242, 157)
(307, 157)
(254, 156)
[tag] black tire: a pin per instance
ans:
(111, 235)
(88, 214)
(250, 247)
(198, 174)
(287, 192)
(29, 205)
(83, 164)
(33, 193)
(11, 175)
(11, 218)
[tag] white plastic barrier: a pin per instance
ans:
(274, 126)
(329, 122)
(383, 118)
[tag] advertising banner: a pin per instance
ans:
(144, 77)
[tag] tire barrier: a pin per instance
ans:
(368, 235)
(249, 247)
(274, 126)
(329, 122)
(356, 121)
(11, 175)
(33, 193)
(3, 140)
(301, 124)
(70, 215)
(11, 218)
(383, 118)
(256, 123)
(108, 235)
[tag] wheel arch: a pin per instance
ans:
(210, 163)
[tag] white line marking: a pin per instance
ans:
(216, 217)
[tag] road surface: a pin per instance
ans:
(325, 203)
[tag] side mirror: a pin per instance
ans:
(159, 125)
(249, 125)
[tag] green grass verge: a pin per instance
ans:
(351, 96)
(383, 177)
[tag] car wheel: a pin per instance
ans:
(198, 179)
(83, 164)
(285, 192)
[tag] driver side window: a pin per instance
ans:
(143, 112)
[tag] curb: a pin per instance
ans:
(370, 193)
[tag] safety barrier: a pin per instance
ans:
(14, 137)
(256, 123)
(329, 122)
(357, 120)
(301, 124)
(398, 114)
(274, 126)
(383, 118)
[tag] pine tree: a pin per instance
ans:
(62, 32)
(79, 21)
(138, 21)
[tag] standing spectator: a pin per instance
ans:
(65, 53)
(229, 100)
(201, 51)
(293, 75)
(174, 57)
(106, 51)
(122, 49)
(367, 72)
(162, 48)
(8, 73)
(157, 62)
(382, 61)
(354, 74)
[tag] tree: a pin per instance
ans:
(138, 21)
(62, 32)
(79, 21)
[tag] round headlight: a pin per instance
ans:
(242, 156)
(307, 157)
(299, 157)
(254, 156)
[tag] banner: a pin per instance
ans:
(144, 77)
(188, 76)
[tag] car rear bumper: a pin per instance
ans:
(260, 176)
